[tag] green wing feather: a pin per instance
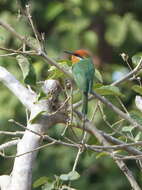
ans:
(83, 73)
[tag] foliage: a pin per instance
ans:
(106, 28)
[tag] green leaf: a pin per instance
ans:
(42, 96)
(138, 136)
(137, 116)
(36, 116)
(136, 58)
(92, 6)
(97, 85)
(73, 26)
(116, 30)
(90, 39)
(127, 129)
(50, 185)
(27, 69)
(64, 177)
(108, 90)
(53, 10)
(98, 75)
(55, 73)
(33, 42)
(101, 154)
(137, 89)
(136, 28)
(64, 62)
(40, 181)
(73, 175)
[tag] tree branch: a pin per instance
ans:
(26, 97)
(119, 163)
(130, 74)
(39, 52)
(117, 110)
(138, 102)
(8, 144)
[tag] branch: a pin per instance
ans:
(92, 129)
(26, 97)
(138, 102)
(8, 144)
(119, 163)
(117, 147)
(18, 51)
(32, 24)
(31, 140)
(138, 157)
(11, 133)
(117, 110)
(130, 74)
(5, 181)
(39, 52)
(34, 140)
(128, 174)
(130, 150)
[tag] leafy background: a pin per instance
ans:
(105, 27)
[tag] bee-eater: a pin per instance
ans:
(83, 72)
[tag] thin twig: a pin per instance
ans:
(122, 105)
(130, 74)
(120, 163)
(8, 54)
(117, 110)
(116, 147)
(77, 159)
(40, 147)
(9, 144)
(24, 127)
(39, 52)
(11, 133)
(18, 51)
(32, 24)
(137, 157)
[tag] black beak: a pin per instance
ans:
(69, 52)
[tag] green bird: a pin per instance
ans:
(83, 72)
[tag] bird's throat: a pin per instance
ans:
(75, 59)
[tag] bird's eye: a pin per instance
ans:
(77, 55)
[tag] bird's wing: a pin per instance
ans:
(83, 73)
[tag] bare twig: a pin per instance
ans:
(77, 158)
(117, 110)
(39, 52)
(28, 152)
(91, 128)
(137, 157)
(11, 133)
(24, 127)
(130, 74)
(117, 147)
(8, 54)
(18, 51)
(9, 144)
(119, 163)
(32, 24)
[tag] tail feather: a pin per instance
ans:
(85, 103)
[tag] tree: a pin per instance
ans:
(53, 104)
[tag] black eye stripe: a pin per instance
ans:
(76, 54)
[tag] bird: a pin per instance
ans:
(83, 71)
